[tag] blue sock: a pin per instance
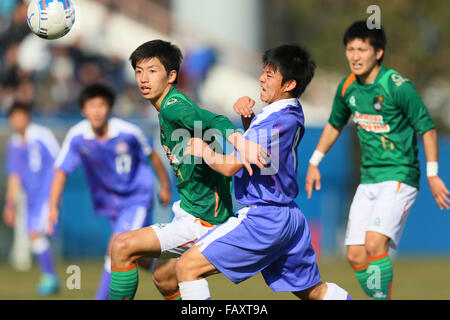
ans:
(103, 286)
(42, 251)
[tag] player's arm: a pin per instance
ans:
(243, 107)
(409, 100)
(250, 152)
(437, 186)
(12, 193)
(228, 165)
(164, 193)
(57, 188)
(329, 136)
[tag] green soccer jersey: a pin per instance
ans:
(388, 114)
(204, 193)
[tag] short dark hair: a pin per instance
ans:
(19, 106)
(169, 55)
(97, 90)
(359, 30)
(294, 63)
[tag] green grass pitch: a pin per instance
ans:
(414, 278)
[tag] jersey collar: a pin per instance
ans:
(274, 107)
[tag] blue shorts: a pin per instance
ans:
(130, 219)
(273, 240)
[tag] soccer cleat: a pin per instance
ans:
(48, 285)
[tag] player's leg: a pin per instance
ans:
(393, 202)
(41, 249)
(191, 270)
(126, 248)
(358, 220)
(165, 278)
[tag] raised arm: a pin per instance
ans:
(437, 186)
(165, 195)
(329, 136)
(59, 181)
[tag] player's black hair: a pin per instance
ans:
(294, 63)
(16, 106)
(359, 30)
(169, 55)
(97, 90)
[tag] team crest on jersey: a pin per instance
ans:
(352, 101)
(378, 103)
(121, 148)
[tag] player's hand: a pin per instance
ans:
(251, 153)
(165, 196)
(243, 107)
(195, 147)
(52, 220)
(312, 180)
(439, 192)
(9, 214)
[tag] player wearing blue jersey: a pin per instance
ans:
(31, 152)
(270, 235)
(113, 154)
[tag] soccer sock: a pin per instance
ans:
(335, 292)
(382, 274)
(175, 296)
(124, 282)
(194, 290)
(41, 249)
(105, 281)
(362, 275)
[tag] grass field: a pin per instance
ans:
(414, 278)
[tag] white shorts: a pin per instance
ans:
(180, 234)
(380, 207)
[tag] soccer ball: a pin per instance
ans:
(50, 19)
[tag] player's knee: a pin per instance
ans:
(121, 246)
(374, 247)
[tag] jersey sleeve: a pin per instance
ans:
(340, 112)
(145, 143)
(191, 117)
(68, 159)
(408, 99)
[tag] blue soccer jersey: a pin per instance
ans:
(270, 235)
(32, 159)
(115, 168)
(279, 128)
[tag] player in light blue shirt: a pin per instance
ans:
(30, 155)
(113, 155)
(270, 234)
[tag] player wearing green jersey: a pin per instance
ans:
(205, 194)
(388, 113)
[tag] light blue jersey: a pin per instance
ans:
(116, 169)
(32, 160)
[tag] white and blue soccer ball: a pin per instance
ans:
(50, 19)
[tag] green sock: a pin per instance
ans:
(380, 278)
(124, 282)
(362, 275)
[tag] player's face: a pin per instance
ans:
(361, 56)
(96, 110)
(271, 88)
(19, 121)
(153, 80)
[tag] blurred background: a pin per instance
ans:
(222, 42)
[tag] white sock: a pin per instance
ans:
(335, 292)
(194, 290)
